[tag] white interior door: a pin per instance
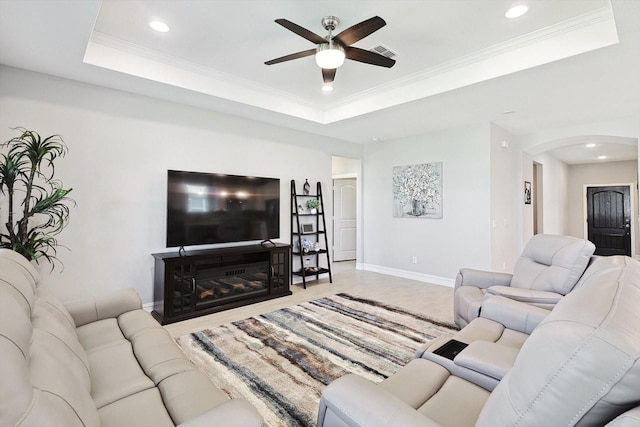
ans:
(344, 219)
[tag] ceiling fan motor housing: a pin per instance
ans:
(330, 23)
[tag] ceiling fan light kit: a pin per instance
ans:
(329, 55)
(330, 51)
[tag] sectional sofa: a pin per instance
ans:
(579, 365)
(99, 362)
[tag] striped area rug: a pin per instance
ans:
(281, 361)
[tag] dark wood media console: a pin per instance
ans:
(207, 281)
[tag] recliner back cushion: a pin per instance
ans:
(552, 263)
(580, 366)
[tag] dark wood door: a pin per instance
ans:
(609, 219)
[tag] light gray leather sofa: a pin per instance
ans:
(101, 362)
(549, 268)
(580, 366)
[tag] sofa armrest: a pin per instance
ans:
(355, 401)
(103, 307)
(482, 279)
(530, 296)
(512, 314)
(487, 358)
(233, 413)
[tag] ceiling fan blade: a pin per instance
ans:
(302, 32)
(292, 56)
(368, 57)
(328, 74)
(360, 31)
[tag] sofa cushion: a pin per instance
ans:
(457, 403)
(115, 371)
(406, 384)
(158, 355)
(60, 376)
(143, 409)
(16, 392)
(99, 334)
(50, 320)
(189, 394)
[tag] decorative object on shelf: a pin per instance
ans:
(306, 188)
(527, 193)
(307, 228)
(27, 169)
(301, 209)
(313, 205)
(306, 244)
(316, 246)
(417, 191)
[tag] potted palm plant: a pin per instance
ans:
(37, 206)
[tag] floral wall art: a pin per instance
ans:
(417, 191)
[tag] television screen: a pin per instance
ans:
(204, 208)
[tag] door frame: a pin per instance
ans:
(634, 211)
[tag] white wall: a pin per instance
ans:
(506, 199)
(120, 147)
(343, 167)
(442, 246)
(555, 204)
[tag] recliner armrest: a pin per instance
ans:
(516, 315)
(487, 358)
(103, 307)
(482, 279)
(359, 402)
(530, 296)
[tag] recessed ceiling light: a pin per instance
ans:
(516, 11)
(327, 88)
(602, 157)
(590, 145)
(159, 26)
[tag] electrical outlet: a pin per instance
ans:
(414, 259)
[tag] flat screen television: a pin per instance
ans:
(207, 208)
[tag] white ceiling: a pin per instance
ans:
(459, 62)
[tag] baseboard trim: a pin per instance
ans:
(148, 306)
(412, 275)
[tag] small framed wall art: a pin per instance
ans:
(527, 193)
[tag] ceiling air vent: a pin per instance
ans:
(384, 51)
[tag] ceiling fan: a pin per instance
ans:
(331, 51)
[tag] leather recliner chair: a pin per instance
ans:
(548, 269)
(580, 366)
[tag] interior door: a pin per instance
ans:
(609, 219)
(344, 219)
